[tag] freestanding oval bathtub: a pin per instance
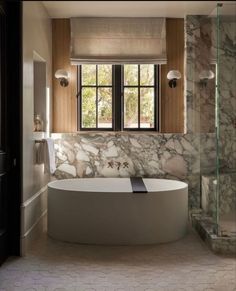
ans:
(106, 211)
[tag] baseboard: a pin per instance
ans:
(33, 219)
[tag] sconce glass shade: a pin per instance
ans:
(206, 75)
(63, 76)
(173, 74)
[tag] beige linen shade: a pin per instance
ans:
(118, 40)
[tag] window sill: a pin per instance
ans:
(111, 132)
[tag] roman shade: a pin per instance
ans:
(118, 40)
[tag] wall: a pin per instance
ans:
(172, 100)
(227, 91)
(39, 90)
(201, 46)
(65, 102)
(64, 99)
(36, 38)
(173, 156)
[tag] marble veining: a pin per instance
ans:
(201, 54)
(227, 198)
(173, 156)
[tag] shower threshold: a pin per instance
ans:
(206, 228)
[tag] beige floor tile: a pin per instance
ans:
(184, 265)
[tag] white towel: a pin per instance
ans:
(49, 156)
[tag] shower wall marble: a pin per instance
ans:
(227, 90)
(201, 54)
(200, 96)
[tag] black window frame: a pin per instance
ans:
(118, 100)
(156, 99)
(80, 86)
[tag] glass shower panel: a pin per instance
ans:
(226, 118)
(205, 111)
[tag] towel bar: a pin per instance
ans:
(39, 141)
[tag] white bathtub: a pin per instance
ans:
(105, 211)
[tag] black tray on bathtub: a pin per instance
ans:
(138, 185)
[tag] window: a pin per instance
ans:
(139, 96)
(96, 97)
(118, 97)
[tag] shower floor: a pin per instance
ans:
(228, 224)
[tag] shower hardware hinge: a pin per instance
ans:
(234, 123)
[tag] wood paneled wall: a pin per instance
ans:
(172, 99)
(64, 99)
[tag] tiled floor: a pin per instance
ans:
(183, 265)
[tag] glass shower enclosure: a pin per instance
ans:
(225, 119)
(217, 117)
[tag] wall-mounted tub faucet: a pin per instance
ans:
(118, 165)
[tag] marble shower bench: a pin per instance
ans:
(227, 195)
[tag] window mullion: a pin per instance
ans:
(156, 97)
(138, 96)
(96, 96)
(117, 97)
(79, 97)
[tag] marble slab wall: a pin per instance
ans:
(227, 90)
(202, 43)
(227, 199)
(200, 111)
(174, 156)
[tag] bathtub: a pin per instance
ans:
(106, 211)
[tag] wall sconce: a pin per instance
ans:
(173, 76)
(206, 75)
(63, 77)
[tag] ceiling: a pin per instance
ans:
(178, 9)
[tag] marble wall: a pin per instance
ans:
(174, 156)
(200, 97)
(227, 91)
(202, 42)
(227, 199)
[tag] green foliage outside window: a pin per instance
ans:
(97, 101)
(96, 97)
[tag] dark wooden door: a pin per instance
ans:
(10, 128)
(3, 155)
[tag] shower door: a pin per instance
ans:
(226, 118)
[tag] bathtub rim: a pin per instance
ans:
(51, 185)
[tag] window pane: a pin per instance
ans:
(131, 75)
(147, 107)
(147, 75)
(88, 75)
(105, 107)
(105, 75)
(131, 107)
(88, 107)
